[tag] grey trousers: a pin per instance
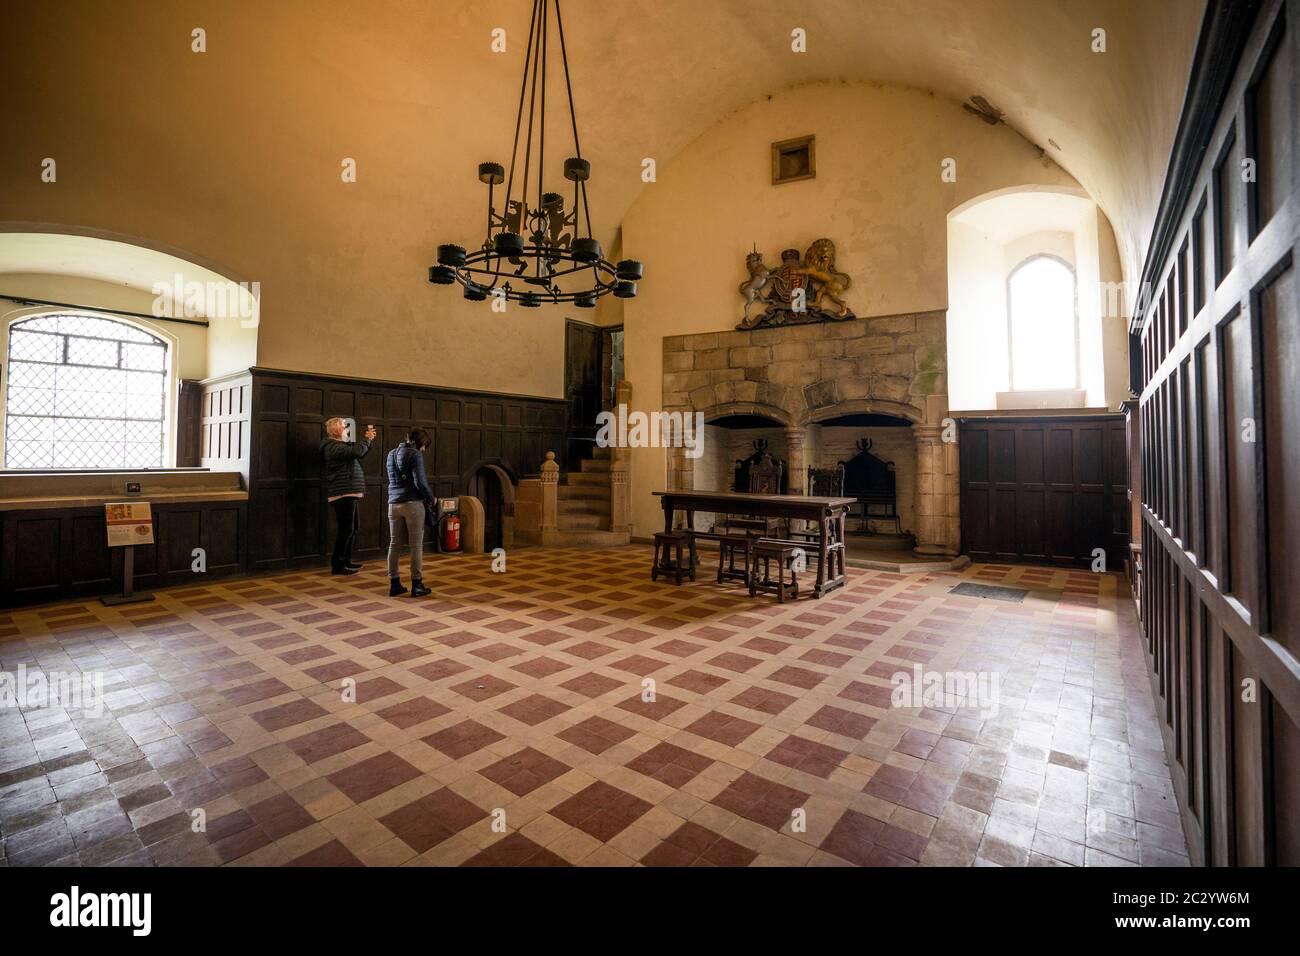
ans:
(406, 520)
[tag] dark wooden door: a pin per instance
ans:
(189, 415)
(486, 487)
(582, 388)
(1220, 445)
(1045, 489)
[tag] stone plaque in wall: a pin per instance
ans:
(800, 291)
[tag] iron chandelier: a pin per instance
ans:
(534, 251)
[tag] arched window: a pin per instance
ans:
(85, 392)
(1042, 325)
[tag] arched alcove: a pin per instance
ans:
(207, 320)
(992, 236)
(492, 482)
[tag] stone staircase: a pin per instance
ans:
(583, 506)
(583, 499)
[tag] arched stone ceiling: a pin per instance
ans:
(194, 150)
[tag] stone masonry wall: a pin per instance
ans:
(900, 359)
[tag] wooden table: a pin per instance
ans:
(827, 513)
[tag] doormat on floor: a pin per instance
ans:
(992, 591)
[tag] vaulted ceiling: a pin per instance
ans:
(159, 142)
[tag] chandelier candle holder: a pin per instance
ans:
(535, 250)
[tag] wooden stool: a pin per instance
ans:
(674, 556)
(729, 545)
(783, 554)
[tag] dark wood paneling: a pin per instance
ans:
(55, 554)
(292, 525)
(1220, 448)
(1045, 489)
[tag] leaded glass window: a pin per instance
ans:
(85, 392)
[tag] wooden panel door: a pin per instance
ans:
(582, 389)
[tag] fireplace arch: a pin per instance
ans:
(865, 406)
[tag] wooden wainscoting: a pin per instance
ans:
(1045, 489)
(290, 521)
(59, 553)
(1220, 446)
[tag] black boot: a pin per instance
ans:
(395, 587)
(353, 566)
(343, 569)
(418, 589)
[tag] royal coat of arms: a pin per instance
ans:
(799, 291)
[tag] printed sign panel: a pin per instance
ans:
(129, 522)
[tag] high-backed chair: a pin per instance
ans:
(764, 479)
(822, 483)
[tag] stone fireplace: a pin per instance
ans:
(811, 391)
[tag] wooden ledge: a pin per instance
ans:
(54, 502)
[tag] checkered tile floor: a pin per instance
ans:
(570, 711)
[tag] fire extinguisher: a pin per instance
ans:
(451, 533)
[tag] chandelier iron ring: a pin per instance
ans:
(489, 271)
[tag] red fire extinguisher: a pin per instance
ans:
(451, 533)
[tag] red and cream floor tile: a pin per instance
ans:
(572, 712)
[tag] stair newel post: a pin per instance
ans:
(620, 501)
(550, 493)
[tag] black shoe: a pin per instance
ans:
(353, 566)
(343, 569)
(418, 589)
(395, 587)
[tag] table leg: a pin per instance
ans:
(668, 514)
(844, 552)
(823, 551)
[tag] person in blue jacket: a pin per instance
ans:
(408, 497)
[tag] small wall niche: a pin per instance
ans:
(794, 159)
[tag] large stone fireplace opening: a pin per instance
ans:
(867, 392)
(731, 441)
(867, 447)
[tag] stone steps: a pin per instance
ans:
(599, 479)
(584, 538)
(582, 522)
(582, 506)
(584, 490)
(583, 497)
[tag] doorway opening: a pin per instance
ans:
(593, 365)
(485, 485)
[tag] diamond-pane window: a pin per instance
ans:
(84, 392)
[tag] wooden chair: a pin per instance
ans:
(822, 483)
(764, 479)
